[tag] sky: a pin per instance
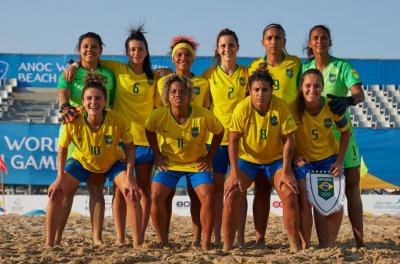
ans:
(360, 29)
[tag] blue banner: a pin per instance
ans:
(380, 150)
(43, 70)
(30, 152)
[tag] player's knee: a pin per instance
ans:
(131, 200)
(207, 199)
(234, 196)
(287, 194)
(157, 198)
(95, 189)
(57, 197)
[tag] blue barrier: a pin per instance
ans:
(43, 70)
(30, 152)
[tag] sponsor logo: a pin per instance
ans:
(387, 205)
(196, 90)
(182, 204)
(332, 77)
(289, 73)
(17, 207)
(3, 69)
(327, 122)
(195, 131)
(277, 204)
(274, 120)
(325, 188)
(108, 139)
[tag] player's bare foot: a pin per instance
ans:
(205, 246)
(196, 244)
(98, 242)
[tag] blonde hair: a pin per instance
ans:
(169, 79)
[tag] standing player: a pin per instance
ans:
(261, 142)
(181, 151)
(340, 78)
(183, 52)
(96, 134)
(89, 47)
(134, 100)
(317, 149)
(228, 84)
(284, 69)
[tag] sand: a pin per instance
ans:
(22, 241)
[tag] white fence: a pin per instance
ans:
(36, 204)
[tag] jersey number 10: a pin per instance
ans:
(94, 150)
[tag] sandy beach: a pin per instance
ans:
(22, 241)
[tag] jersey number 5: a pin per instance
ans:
(314, 133)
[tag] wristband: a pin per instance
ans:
(65, 105)
(75, 65)
(353, 102)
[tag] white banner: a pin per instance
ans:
(36, 204)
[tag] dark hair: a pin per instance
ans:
(137, 33)
(261, 75)
(97, 81)
(93, 36)
(280, 28)
(299, 103)
(308, 50)
(274, 25)
(224, 32)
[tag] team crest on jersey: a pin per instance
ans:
(325, 187)
(242, 81)
(108, 139)
(332, 77)
(327, 122)
(289, 73)
(150, 81)
(195, 132)
(355, 74)
(274, 120)
(196, 90)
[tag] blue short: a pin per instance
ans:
(253, 169)
(144, 154)
(324, 164)
(77, 171)
(220, 162)
(171, 178)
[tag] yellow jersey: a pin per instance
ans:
(201, 91)
(183, 144)
(261, 141)
(226, 93)
(134, 98)
(96, 151)
(314, 137)
(285, 77)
